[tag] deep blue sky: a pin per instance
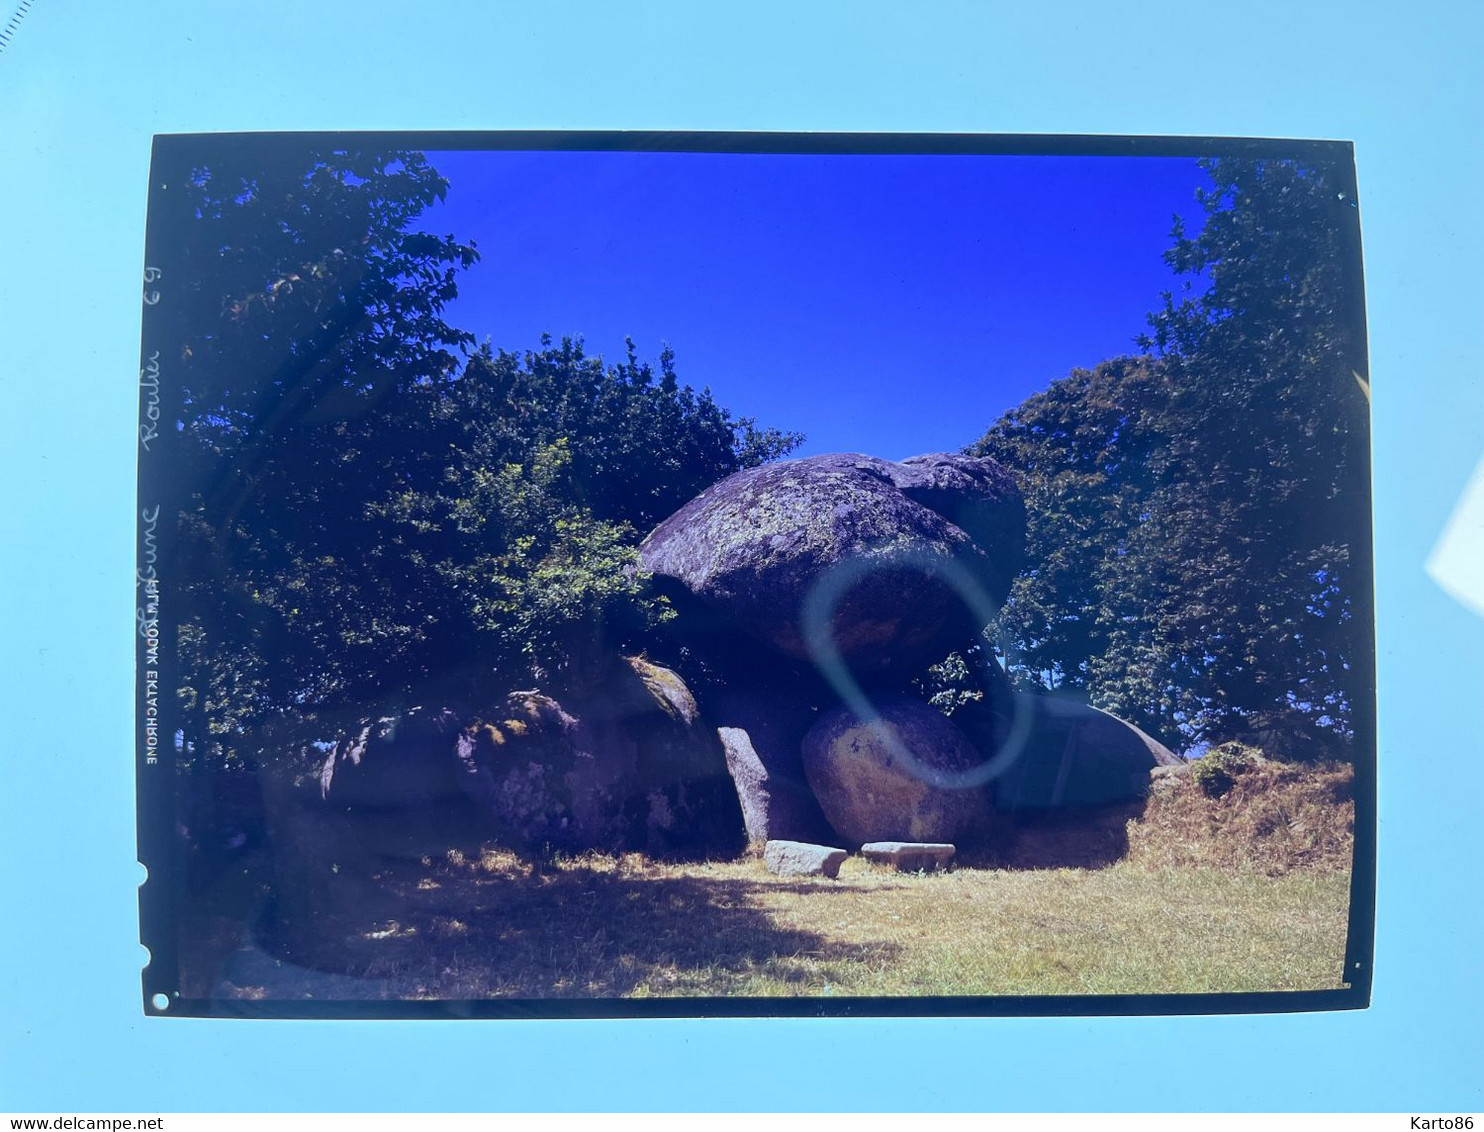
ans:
(884, 304)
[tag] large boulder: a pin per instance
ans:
(908, 776)
(1061, 754)
(393, 760)
(629, 765)
(345, 795)
(884, 536)
(973, 492)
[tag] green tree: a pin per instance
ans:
(306, 311)
(543, 472)
(368, 505)
(1082, 451)
(641, 443)
(1200, 517)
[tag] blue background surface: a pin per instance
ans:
(83, 87)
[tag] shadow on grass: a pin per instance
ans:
(502, 927)
(1075, 837)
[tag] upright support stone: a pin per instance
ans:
(770, 806)
(762, 726)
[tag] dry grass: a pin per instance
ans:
(494, 925)
(1274, 818)
(1245, 891)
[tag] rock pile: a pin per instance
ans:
(809, 594)
(817, 589)
(628, 764)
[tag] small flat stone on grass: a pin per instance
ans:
(800, 859)
(909, 856)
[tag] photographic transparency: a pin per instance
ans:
(692, 574)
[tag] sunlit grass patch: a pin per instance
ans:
(492, 924)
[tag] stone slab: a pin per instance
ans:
(801, 859)
(909, 856)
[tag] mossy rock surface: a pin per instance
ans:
(1059, 754)
(628, 765)
(907, 776)
(754, 547)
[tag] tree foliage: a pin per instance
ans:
(307, 311)
(1082, 450)
(369, 504)
(1196, 513)
(542, 472)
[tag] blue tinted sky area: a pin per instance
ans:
(884, 304)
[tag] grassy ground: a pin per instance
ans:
(468, 927)
(1259, 816)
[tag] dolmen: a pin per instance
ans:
(791, 578)
(786, 711)
(815, 594)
